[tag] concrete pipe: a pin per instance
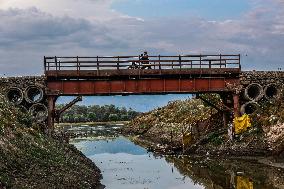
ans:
(39, 112)
(271, 91)
(15, 95)
(249, 108)
(34, 94)
(253, 92)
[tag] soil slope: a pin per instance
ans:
(29, 159)
(191, 126)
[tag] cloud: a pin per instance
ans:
(29, 33)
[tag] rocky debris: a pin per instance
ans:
(22, 82)
(275, 137)
(262, 77)
(30, 159)
(167, 126)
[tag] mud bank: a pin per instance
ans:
(191, 127)
(29, 159)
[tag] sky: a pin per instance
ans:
(32, 29)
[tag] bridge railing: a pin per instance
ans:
(135, 62)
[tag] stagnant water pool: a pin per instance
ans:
(125, 165)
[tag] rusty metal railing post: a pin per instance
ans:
(239, 62)
(179, 58)
(55, 60)
(117, 63)
(44, 64)
(159, 62)
(78, 65)
(220, 61)
(200, 61)
(98, 66)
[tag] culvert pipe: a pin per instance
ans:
(271, 91)
(34, 94)
(249, 108)
(15, 95)
(39, 112)
(253, 92)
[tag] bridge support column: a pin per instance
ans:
(236, 105)
(51, 113)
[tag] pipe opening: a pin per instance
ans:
(249, 108)
(39, 112)
(271, 91)
(34, 94)
(254, 92)
(15, 95)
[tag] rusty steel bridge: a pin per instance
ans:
(129, 75)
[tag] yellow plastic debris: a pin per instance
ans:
(242, 124)
(244, 183)
(187, 139)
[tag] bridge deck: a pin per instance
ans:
(132, 75)
(143, 73)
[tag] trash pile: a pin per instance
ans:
(193, 124)
(174, 123)
(30, 159)
(275, 137)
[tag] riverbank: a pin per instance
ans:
(30, 159)
(126, 165)
(191, 127)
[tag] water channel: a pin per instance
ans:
(125, 165)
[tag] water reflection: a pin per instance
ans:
(229, 174)
(126, 165)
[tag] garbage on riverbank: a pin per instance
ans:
(29, 159)
(167, 127)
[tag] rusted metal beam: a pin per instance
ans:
(139, 86)
(236, 105)
(51, 113)
(67, 106)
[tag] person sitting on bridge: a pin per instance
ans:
(145, 62)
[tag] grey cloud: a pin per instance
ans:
(29, 34)
(31, 25)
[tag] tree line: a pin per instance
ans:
(96, 113)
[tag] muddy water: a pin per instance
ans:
(125, 165)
